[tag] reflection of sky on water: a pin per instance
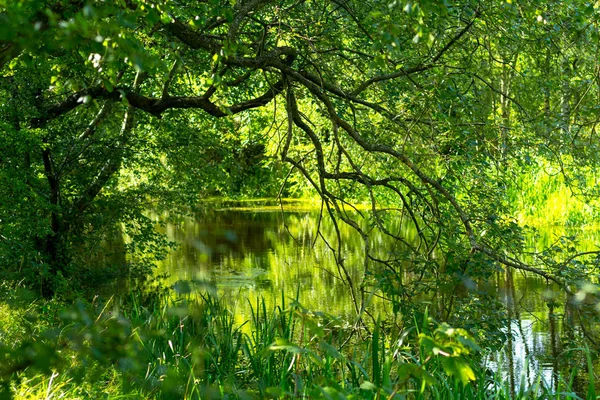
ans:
(524, 356)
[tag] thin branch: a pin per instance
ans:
(113, 164)
(418, 68)
(165, 91)
(93, 125)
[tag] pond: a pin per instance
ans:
(244, 251)
(260, 251)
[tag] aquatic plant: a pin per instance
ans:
(157, 344)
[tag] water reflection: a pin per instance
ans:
(247, 253)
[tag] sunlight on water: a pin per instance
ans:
(248, 253)
(245, 254)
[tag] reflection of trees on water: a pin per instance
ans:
(251, 254)
(235, 234)
(547, 329)
(229, 246)
(221, 234)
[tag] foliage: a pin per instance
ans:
(153, 344)
(418, 106)
(430, 112)
(542, 196)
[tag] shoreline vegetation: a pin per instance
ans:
(541, 197)
(163, 342)
(158, 344)
(447, 150)
(177, 343)
(541, 201)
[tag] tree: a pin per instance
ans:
(427, 109)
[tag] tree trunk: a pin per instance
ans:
(565, 106)
(52, 245)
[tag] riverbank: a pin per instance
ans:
(158, 344)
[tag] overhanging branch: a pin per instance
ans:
(152, 105)
(418, 68)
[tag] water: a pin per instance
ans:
(243, 253)
(246, 253)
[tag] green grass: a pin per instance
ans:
(542, 197)
(157, 345)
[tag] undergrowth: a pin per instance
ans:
(156, 344)
(543, 196)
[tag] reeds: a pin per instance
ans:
(162, 346)
(542, 197)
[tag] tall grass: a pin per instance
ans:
(542, 197)
(158, 345)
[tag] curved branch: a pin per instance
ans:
(463, 216)
(152, 105)
(420, 67)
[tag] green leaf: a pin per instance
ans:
(459, 368)
(330, 350)
(108, 85)
(284, 344)
(366, 385)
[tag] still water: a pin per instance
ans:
(250, 252)
(262, 249)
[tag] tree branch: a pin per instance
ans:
(93, 125)
(152, 105)
(418, 68)
(243, 9)
(193, 38)
(113, 164)
(165, 91)
(463, 216)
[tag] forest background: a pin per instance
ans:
(472, 122)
